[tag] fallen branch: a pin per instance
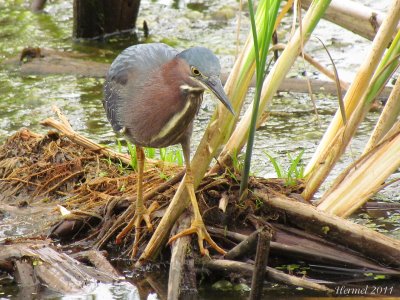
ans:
(300, 245)
(246, 246)
(246, 269)
(342, 231)
(53, 62)
(260, 264)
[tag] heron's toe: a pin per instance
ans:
(199, 228)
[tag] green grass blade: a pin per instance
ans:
(294, 168)
(270, 13)
(277, 167)
(132, 153)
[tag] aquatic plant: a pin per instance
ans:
(267, 11)
(293, 173)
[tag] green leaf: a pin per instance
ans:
(267, 12)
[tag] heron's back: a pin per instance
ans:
(128, 75)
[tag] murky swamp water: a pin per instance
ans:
(26, 100)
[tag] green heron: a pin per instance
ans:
(152, 94)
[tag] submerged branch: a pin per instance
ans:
(271, 273)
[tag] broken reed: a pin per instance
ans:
(371, 77)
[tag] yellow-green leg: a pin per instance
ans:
(141, 212)
(197, 225)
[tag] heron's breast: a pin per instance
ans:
(177, 125)
(162, 109)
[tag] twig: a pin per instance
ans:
(61, 181)
(262, 254)
(245, 246)
(226, 233)
(20, 180)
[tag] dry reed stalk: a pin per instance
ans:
(363, 179)
(337, 136)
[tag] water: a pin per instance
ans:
(26, 100)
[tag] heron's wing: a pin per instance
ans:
(128, 73)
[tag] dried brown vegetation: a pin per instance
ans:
(51, 168)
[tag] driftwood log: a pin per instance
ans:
(35, 262)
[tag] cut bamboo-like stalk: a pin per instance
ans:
(224, 158)
(353, 16)
(336, 138)
(223, 202)
(363, 179)
(387, 118)
(344, 85)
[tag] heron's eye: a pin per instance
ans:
(195, 71)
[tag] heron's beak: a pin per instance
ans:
(213, 83)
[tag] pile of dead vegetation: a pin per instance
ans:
(96, 187)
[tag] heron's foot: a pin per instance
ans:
(199, 228)
(141, 214)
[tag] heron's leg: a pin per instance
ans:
(197, 225)
(141, 212)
